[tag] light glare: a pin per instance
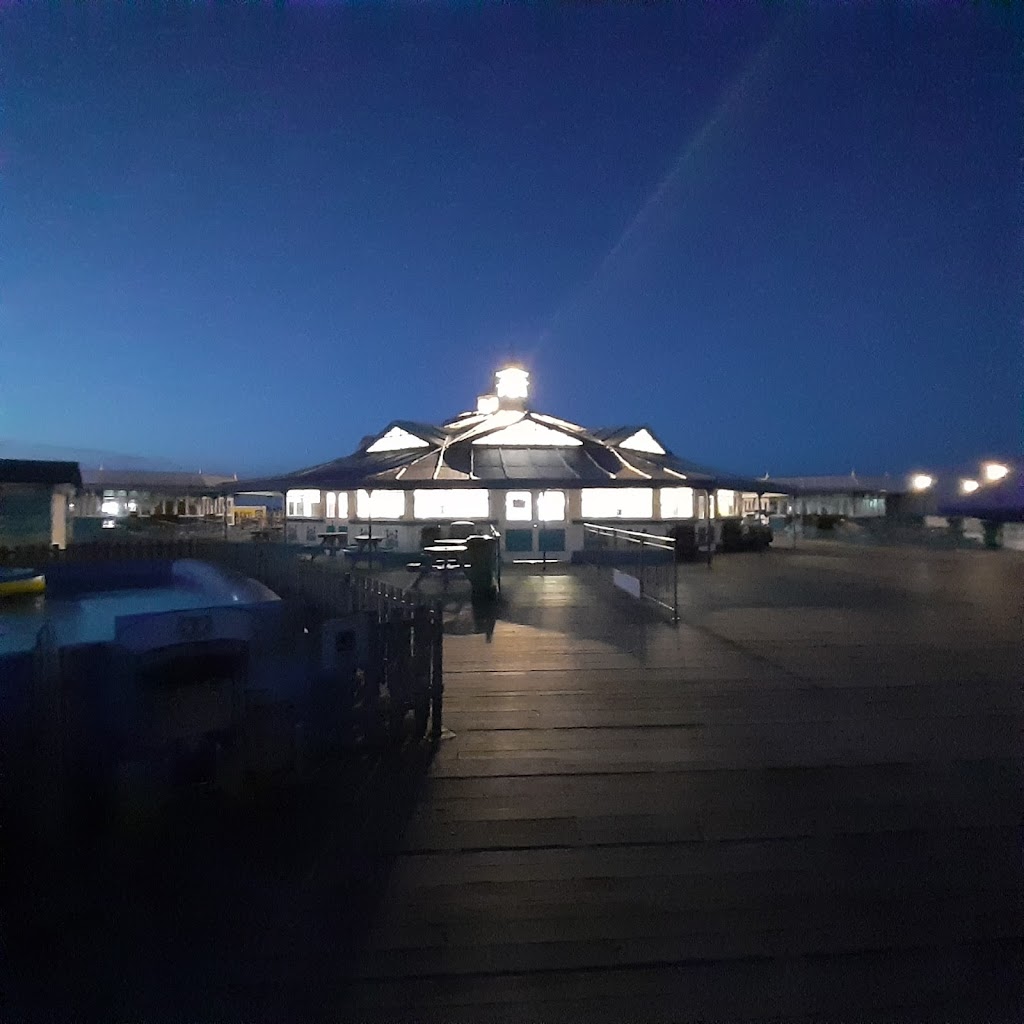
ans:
(969, 486)
(512, 382)
(995, 471)
(921, 481)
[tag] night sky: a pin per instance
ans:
(242, 239)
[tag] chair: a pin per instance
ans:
(461, 529)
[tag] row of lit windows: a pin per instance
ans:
(520, 506)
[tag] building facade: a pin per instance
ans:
(534, 477)
(35, 497)
(111, 494)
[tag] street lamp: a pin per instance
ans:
(921, 482)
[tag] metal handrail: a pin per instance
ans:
(645, 540)
(633, 536)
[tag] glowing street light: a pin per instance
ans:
(921, 481)
(969, 486)
(995, 471)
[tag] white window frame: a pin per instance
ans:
(385, 503)
(551, 507)
(299, 502)
(528, 433)
(617, 502)
(643, 441)
(518, 515)
(725, 503)
(451, 503)
(676, 502)
(397, 439)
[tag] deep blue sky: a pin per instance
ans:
(245, 238)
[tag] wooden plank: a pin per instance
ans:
(480, 948)
(726, 932)
(932, 784)
(805, 802)
(975, 850)
(738, 989)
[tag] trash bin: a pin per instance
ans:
(732, 534)
(685, 536)
(992, 532)
(481, 557)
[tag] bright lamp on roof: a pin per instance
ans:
(512, 382)
(995, 471)
(921, 481)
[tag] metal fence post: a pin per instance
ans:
(437, 673)
(711, 527)
(675, 588)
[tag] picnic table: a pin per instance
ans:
(332, 543)
(366, 546)
(443, 556)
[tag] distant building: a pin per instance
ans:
(118, 493)
(34, 499)
(537, 478)
(852, 496)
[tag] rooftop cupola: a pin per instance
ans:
(511, 387)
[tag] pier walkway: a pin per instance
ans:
(802, 803)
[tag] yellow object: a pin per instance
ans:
(25, 585)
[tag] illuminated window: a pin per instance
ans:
(111, 507)
(551, 506)
(301, 502)
(342, 504)
(643, 441)
(518, 506)
(677, 503)
(725, 502)
(450, 504)
(617, 503)
(331, 504)
(554, 421)
(397, 440)
(512, 382)
(527, 434)
(380, 504)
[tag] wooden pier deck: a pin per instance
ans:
(802, 803)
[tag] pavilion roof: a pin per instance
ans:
(505, 448)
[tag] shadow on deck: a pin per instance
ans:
(214, 912)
